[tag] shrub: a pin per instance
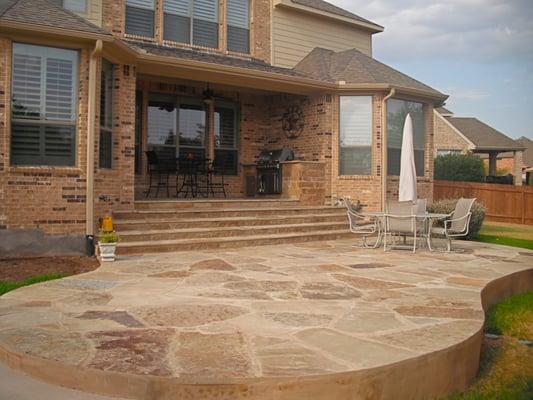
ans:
(447, 206)
(108, 237)
(459, 167)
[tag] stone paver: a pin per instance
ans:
(285, 310)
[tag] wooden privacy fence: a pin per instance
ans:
(504, 203)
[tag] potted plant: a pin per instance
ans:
(107, 244)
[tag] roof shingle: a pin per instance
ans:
(353, 66)
(483, 136)
(189, 54)
(527, 144)
(45, 13)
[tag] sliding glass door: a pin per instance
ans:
(192, 129)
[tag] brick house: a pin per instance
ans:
(88, 86)
(459, 135)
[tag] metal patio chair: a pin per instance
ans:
(159, 172)
(363, 224)
(457, 226)
(400, 220)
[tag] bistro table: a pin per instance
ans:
(426, 218)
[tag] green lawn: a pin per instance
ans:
(507, 234)
(506, 370)
(6, 286)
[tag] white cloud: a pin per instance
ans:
(476, 30)
(466, 94)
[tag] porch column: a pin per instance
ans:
(517, 167)
(493, 157)
(210, 129)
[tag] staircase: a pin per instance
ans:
(162, 226)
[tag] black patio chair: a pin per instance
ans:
(159, 172)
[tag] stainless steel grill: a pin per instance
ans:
(269, 171)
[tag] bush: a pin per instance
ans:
(459, 167)
(108, 237)
(447, 206)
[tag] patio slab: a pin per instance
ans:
(281, 322)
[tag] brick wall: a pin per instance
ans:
(47, 198)
(446, 138)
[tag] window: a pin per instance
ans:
(238, 19)
(106, 115)
(226, 153)
(43, 119)
(140, 17)
(79, 6)
(191, 21)
(355, 152)
(397, 110)
(191, 128)
(162, 121)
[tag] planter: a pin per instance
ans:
(107, 251)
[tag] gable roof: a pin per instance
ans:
(527, 155)
(483, 136)
(355, 67)
(322, 5)
(45, 13)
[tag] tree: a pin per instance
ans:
(459, 167)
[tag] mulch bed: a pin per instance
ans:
(18, 269)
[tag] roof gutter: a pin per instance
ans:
(384, 152)
(25, 27)
(91, 125)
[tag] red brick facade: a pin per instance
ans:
(53, 200)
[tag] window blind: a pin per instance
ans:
(205, 24)
(355, 153)
(177, 20)
(226, 152)
(140, 17)
(238, 20)
(44, 98)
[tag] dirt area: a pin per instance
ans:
(18, 269)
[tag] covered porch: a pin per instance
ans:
(225, 128)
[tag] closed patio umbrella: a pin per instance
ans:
(407, 190)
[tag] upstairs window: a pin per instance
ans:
(44, 102)
(355, 152)
(140, 17)
(191, 21)
(238, 18)
(106, 115)
(79, 6)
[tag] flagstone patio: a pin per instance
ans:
(269, 322)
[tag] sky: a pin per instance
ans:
(480, 52)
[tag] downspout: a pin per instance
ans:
(91, 122)
(384, 151)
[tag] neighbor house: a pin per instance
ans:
(461, 135)
(88, 86)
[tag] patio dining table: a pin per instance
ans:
(424, 217)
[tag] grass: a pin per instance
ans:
(507, 234)
(7, 286)
(506, 366)
(512, 317)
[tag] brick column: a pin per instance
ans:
(517, 167)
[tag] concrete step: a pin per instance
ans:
(158, 246)
(171, 223)
(259, 230)
(230, 212)
(181, 204)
